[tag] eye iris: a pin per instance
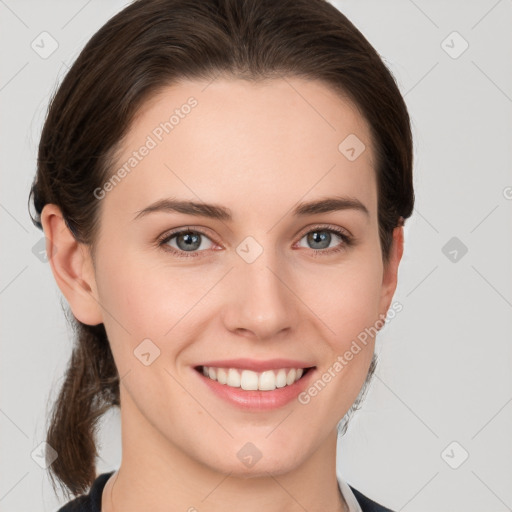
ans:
(322, 237)
(191, 241)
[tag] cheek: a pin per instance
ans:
(144, 297)
(348, 312)
(154, 302)
(345, 299)
(129, 298)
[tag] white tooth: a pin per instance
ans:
(249, 380)
(290, 378)
(233, 378)
(281, 379)
(222, 376)
(267, 381)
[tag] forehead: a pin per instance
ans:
(245, 144)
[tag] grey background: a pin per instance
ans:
(445, 361)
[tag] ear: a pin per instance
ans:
(72, 267)
(390, 274)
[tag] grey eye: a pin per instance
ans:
(320, 238)
(188, 241)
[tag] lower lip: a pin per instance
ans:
(258, 400)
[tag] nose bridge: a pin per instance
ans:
(262, 302)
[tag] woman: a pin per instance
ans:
(223, 186)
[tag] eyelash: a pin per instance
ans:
(167, 237)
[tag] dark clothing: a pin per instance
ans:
(91, 502)
(367, 505)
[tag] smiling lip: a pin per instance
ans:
(257, 400)
(258, 366)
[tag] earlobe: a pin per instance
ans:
(390, 273)
(71, 266)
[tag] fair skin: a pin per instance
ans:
(257, 149)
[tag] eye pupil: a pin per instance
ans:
(322, 237)
(191, 241)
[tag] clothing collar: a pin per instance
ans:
(348, 495)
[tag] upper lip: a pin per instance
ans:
(257, 365)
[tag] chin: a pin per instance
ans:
(249, 463)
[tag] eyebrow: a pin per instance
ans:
(213, 211)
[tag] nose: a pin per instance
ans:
(262, 304)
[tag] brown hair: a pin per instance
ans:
(144, 48)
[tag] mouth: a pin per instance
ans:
(250, 380)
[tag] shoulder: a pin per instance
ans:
(90, 502)
(368, 505)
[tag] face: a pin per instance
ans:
(258, 283)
